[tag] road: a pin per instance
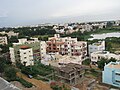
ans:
(38, 83)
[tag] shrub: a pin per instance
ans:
(86, 62)
(25, 83)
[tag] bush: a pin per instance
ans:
(29, 71)
(56, 87)
(25, 83)
(86, 62)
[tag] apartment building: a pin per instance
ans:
(96, 56)
(10, 33)
(99, 46)
(3, 40)
(27, 51)
(26, 55)
(43, 46)
(67, 46)
(85, 27)
(71, 73)
(99, 25)
(54, 44)
(111, 74)
(117, 23)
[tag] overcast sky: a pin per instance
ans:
(27, 12)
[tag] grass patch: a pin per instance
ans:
(43, 79)
(38, 69)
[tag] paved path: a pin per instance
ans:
(38, 83)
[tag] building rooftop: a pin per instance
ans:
(71, 67)
(98, 43)
(102, 52)
(4, 85)
(114, 65)
(24, 47)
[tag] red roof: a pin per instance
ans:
(24, 47)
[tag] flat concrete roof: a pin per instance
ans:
(5, 85)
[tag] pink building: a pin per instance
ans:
(67, 46)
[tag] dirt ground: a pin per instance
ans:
(87, 84)
(19, 85)
(40, 85)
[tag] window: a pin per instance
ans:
(24, 52)
(72, 50)
(54, 45)
(54, 48)
(80, 76)
(18, 52)
(118, 81)
(25, 57)
(118, 74)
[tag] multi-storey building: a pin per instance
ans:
(96, 56)
(10, 33)
(111, 74)
(71, 73)
(3, 40)
(67, 46)
(53, 44)
(117, 23)
(26, 55)
(43, 49)
(27, 51)
(85, 27)
(99, 46)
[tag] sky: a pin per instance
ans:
(28, 12)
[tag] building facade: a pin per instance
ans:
(10, 33)
(96, 56)
(71, 73)
(67, 46)
(27, 51)
(111, 74)
(99, 46)
(3, 40)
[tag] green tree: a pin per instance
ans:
(13, 39)
(2, 66)
(10, 73)
(102, 62)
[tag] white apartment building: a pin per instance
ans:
(3, 40)
(86, 27)
(117, 23)
(60, 31)
(100, 25)
(99, 46)
(96, 56)
(10, 33)
(43, 49)
(26, 51)
(26, 55)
